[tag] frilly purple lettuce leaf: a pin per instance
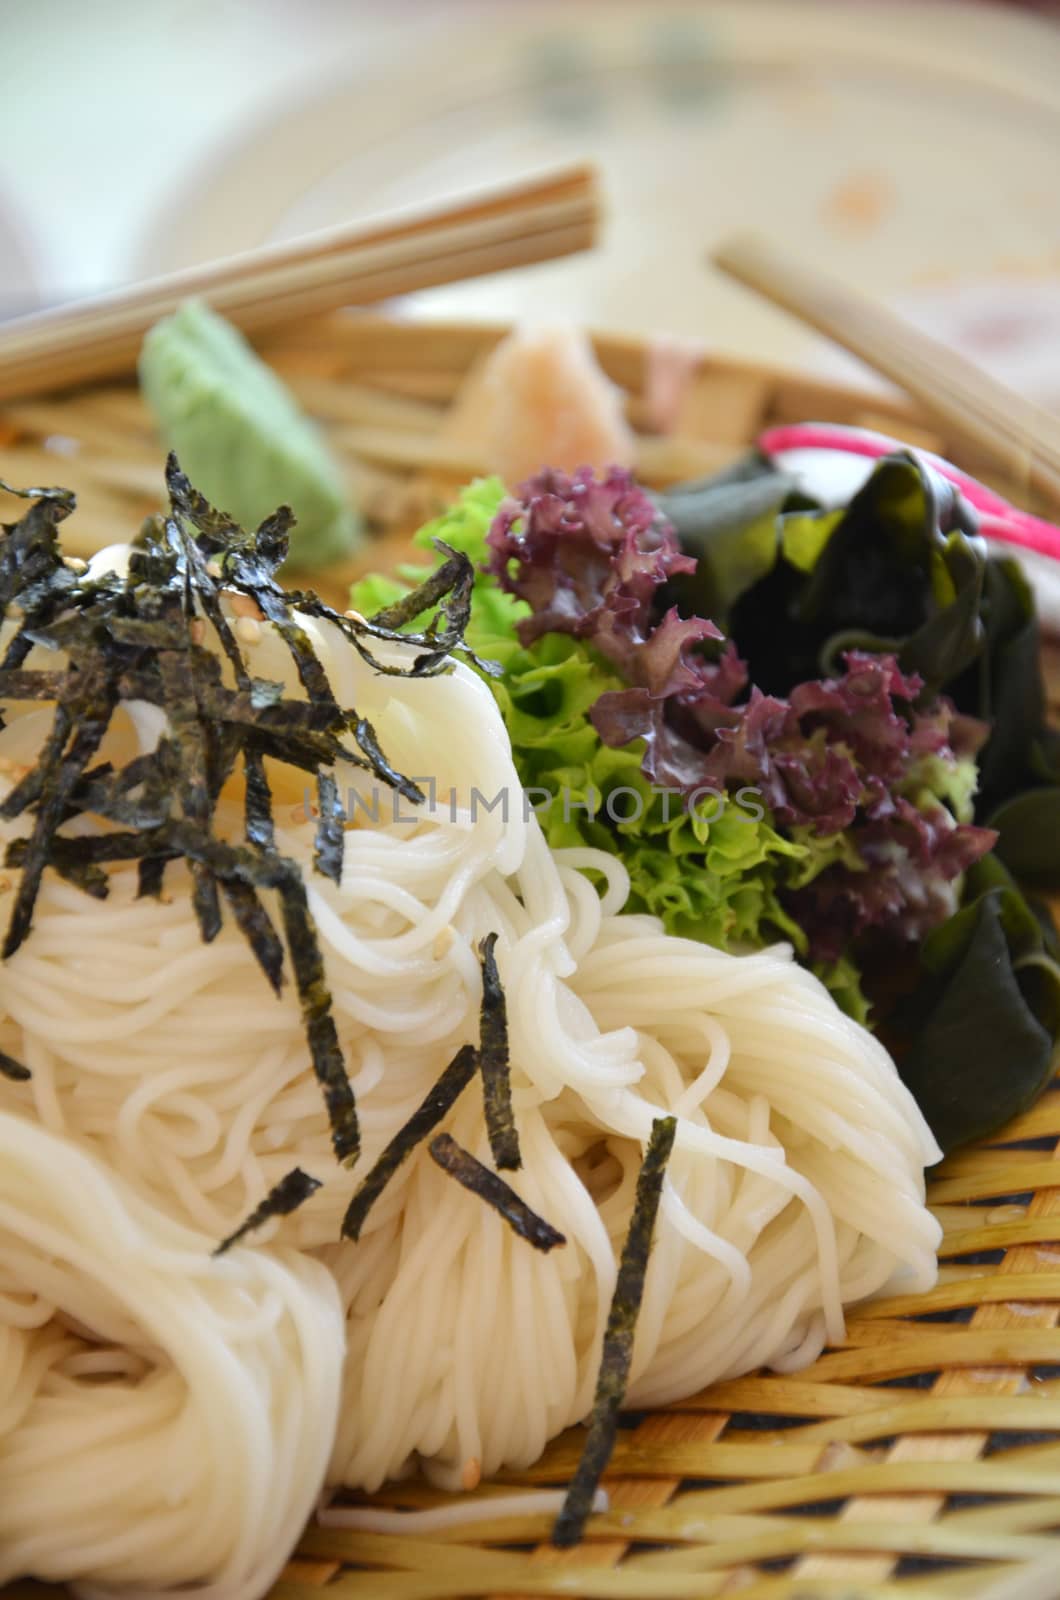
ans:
(592, 558)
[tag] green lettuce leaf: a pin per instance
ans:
(717, 873)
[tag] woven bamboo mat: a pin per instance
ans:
(922, 1459)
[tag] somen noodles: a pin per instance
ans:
(167, 1417)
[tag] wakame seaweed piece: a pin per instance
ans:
(730, 523)
(899, 570)
(90, 718)
(1004, 687)
(494, 1063)
(478, 1180)
(1028, 828)
(983, 1029)
(328, 846)
(292, 1191)
(438, 1102)
(10, 1068)
(618, 1338)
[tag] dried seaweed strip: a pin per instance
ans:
(494, 1063)
(138, 795)
(306, 751)
(85, 875)
(439, 1101)
(292, 1191)
(412, 605)
(315, 999)
(62, 501)
(98, 847)
(479, 1180)
(208, 594)
(618, 1338)
(10, 1068)
(139, 635)
(311, 674)
(186, 732)
(28, 790)
(151, 877)
(255, 924)
(218, 527)
(18, 684)
(147, 633)
(329, 844)
(254, 707)
(31, 561)
(257, 801)
(388, 625)
(93, 716)
(366, 737)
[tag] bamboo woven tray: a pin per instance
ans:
(920, 1459)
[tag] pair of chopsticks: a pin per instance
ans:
(1015, 436)
(536, 220)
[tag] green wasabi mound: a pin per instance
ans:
(240, 434)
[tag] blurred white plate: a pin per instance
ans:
(19, 286)
(910, 146)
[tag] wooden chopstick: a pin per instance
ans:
(535, 220)
(1014, 435)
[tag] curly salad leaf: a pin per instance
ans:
(805, 777)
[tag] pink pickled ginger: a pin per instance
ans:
(549, 404)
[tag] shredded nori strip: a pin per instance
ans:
(479, 1180)
(327, 854)
(453, 1081)
(141, 636)
(493, 1060)
(10, 1068)
(618, 1338)
(284, 1197)
(257, 803)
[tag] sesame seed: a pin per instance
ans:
(248, 630)
(75, 563)
(353, 616)
(471, 1474)
(197, 630)
(213, 569)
